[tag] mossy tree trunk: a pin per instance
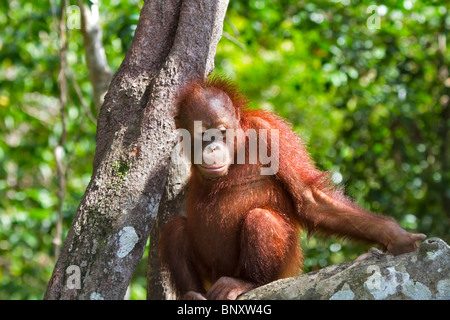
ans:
(175, 40)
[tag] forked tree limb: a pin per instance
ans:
(174, 41)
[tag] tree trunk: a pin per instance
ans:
(174, 41)
(172, 203)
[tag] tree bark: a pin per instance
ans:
(174, 41)
(173, 202)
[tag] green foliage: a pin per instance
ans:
(372, 106)
(31, 127)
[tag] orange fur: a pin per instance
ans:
(245, 225)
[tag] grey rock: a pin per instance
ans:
(420, 275)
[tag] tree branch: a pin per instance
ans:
(59, 149)
(99, 72)
(172, 202)
(174, 41)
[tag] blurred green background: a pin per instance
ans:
(372, 105)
